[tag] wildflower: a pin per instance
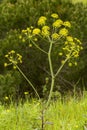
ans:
(60, 53)
(45, 31)
(14, 67)
(19, 58)
(29, 30)
(70, 64)
(67, 24)
(30, 36)
(12, 51)
(57, 23)
(69, 38)
(26, 93)
(81, 48)
(75, 63)
(54, 15)
(23, 40)
(76, 55)
(73, 44)
(42, 20)
(30, 45)
(76, 39)
(24, 31)
(66, 42)
(36, 31)
(6, 98)
(45, 28)
(31, 27)
(6, 56)
(55, 36)
(5, 64)
(20, 37)
(63, 32)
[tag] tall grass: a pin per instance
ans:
(61, 115)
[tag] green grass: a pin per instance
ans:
(68, 115)
(83, 1)
(77, 1)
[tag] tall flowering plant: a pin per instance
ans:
(69, 52)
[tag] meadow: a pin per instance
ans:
(70, 114)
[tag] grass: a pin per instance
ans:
(68, 115)
(83, 1)
(77, 1)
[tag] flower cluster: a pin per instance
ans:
(42, 20)
(58, 23)
(72, 47)
(54, 15)
(58, 30)
(13, 58)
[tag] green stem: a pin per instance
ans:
(38, 47)
(52, 73)
(51, 90)
(28, 81)
(58, 71)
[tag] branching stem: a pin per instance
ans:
(51, 71)
(28, 81)
(38, 47)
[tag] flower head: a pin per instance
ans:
(69, 39)
(55, 36)
(42, 20)
(6, 98)
(36, 31)
(57, 23)
(26, 93)
(63, 32)
(5, 64)
(70, 64)
(54, 15)
(67, 24)
(45, 31)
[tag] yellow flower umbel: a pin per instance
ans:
(26, 93)
(42, 20)
(58, 23)
(67, 24)
(13, 59)
(45, 31)
(55, 36)
(54, 15)
(36, 31)
(6, 98)
(69, 39)
(63, 32)
(5, 64)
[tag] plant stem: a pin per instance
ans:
(52, 73)
(59, 69)
(28, 81)
(39, 47)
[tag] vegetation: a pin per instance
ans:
(12, 21)
(43, 57)
(70, 114)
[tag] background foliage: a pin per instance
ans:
(16, 15)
